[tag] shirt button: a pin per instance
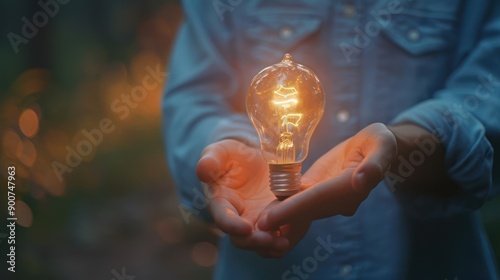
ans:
(413, 35)
(345, 270)
(349, 10)
(342, 116)
(286, 32)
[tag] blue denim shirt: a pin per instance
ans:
(435, 63)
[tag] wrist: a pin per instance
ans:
(420, 161)
(408, 136)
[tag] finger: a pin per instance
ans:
(210, 167)
(228, 219)
(260, 240)
(379, 150)
(280, 244)
(255, 241)
(313, 203)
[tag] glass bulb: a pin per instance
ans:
(285, 102)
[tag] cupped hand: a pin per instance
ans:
(339, 181)
(238, 181)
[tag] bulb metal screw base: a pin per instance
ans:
(284, 179)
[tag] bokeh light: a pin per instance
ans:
(66, 80)
(171, 230)
(24, 214)
(26, 152)
(204, 254)
(10, 141)
(28, 123)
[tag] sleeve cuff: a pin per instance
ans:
(468, 159)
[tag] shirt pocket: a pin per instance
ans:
(413, 59)
(266, 37)
(424, 28)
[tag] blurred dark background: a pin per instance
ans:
(115, 213)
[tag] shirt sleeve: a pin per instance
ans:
(465, 116)
(202, 101)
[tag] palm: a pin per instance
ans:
(248, 176)
(339, 159)
(238, 177)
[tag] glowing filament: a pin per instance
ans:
(292, 119)
(285, 100)
(285, 92)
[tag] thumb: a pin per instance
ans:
(367, 176)
(380, 152)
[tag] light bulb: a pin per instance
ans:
(285, 102)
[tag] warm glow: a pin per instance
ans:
(285, 103)
(291, 119)
(139, 64)
(28, 123)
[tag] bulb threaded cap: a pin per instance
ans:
(284, 179)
